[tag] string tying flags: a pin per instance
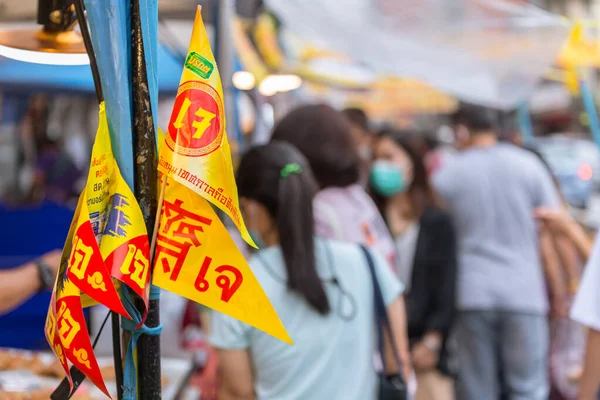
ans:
(288, 169)
(129, 372)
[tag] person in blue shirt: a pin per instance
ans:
(321, 289)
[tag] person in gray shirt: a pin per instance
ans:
(492, 190)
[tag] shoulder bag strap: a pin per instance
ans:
(381, 316)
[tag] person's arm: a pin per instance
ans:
(580, 239)
(230, 338)
(391, 290)
(560, 222)
(397, 315)
(235, 375)
(426, 352)
(17, 285)
(445, 263)
(570, 260)
(590, 381)
(554, 276)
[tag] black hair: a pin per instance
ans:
(476, 118)
(288, 199)
(322, 134)
(358, 117)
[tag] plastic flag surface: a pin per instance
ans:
(196, 151)
(107, 240)
(197, 259)
(195, 256)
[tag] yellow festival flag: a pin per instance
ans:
(66, 329)
(197, 259)
(107, 240)
(197, 152)
(116, 219)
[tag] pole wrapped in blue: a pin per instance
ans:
(144, 42)
(130, 381)
(110, 26)
(109, 22)
(590, 108)
(525, 125)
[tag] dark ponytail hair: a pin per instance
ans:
(287, 194)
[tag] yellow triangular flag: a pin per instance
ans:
(197, 259)
(197, 152)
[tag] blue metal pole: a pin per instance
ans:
(111, 36)
(525, 125)
(110, 24)
(590, 108)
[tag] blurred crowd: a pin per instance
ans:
(474, 252)
(397, 262)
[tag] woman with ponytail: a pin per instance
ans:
(321, 289)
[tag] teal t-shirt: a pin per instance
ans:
(333, 355)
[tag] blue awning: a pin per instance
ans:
(21, 76)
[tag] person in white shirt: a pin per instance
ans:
(586, 311)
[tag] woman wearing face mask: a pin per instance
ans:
(343, 209)
(425, 256)
(322, 291)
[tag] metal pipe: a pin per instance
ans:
(87, 41)
(115, 328)
(63, 390)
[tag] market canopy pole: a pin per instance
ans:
(63, 390)
(115, 329)
(145, 189)
(126, 43)
(111, 38)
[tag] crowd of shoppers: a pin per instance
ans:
(467, 257)
(472, 257)
(321, 289)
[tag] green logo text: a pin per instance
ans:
(199, 65)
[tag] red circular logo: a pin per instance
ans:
(197, 123)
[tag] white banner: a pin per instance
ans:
(490, 52)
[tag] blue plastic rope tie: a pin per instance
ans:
(129, 371)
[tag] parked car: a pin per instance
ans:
(575, 162)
